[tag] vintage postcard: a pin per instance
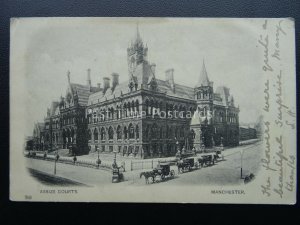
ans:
(181, 110)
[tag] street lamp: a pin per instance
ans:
(55, 160)
(242, 153)
(98, 160)
(114, 165)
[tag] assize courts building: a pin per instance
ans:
(142, 117)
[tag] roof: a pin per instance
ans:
(203, 78)
(41, 125)
(109, 94)
(222, 97)
(83, 92)
(53, 108)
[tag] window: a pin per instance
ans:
(102, 133)
(89, 135)
(110, 133)
(125, 132)
(182, 132)
(119, 133)
(137, 106)
(137, 132)
(96, 134)
(131, 131)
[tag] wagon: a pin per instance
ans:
(187, 164)
(207, 159)
(117, 175)
(163, 170)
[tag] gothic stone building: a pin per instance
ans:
(143, 116)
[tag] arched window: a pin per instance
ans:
(110, 133)
(167, 132)
(131, 131)
(96, 134)
(118, 112)
(119, 132)
(193, 134)
(182, 132)
(89, 135)
(125, 110)
(154, 131)
(137, 105)
(112, 113)
(137, 132)
(151, 107)
(132, 108)
(161, 133)
(103, 133)
(147, 107)
(125, 132)
(176, 133)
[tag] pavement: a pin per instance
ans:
(222, 173)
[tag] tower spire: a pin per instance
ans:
(203, 78)
(138, 38)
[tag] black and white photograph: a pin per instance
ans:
(197, 110)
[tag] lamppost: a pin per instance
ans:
(55, 160)
(242, 153)
(178, 153)
(114, 165)
(98, 160)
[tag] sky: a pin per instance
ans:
(49, 47)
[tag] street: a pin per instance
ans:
(224, 172)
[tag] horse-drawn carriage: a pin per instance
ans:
(207, 159)
(162, 170)
(186, 164)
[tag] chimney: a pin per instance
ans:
(68, 75)
(106, 83)
(88, 80)
(170, 78)
(153, 67)
(115, 80)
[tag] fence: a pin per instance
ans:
(68, 160)
(148, 164)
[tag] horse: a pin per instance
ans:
(147, 175)
(182, 166)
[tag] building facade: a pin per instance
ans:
(144, 116)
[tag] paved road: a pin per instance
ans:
(83, 175)
(225, 172)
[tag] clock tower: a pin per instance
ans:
(136, 53)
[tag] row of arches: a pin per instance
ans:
(221, 117)
(155, 131)
(110, 133)
(133, 108)
(204, 94)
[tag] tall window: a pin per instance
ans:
(147, 107)
(131, 131)
(102, 133)
(89, 135)
(125, 132)
(137, 105)
(110, 133)
(137, 132)
(119, 133)
(96, 134)
(161, 133)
